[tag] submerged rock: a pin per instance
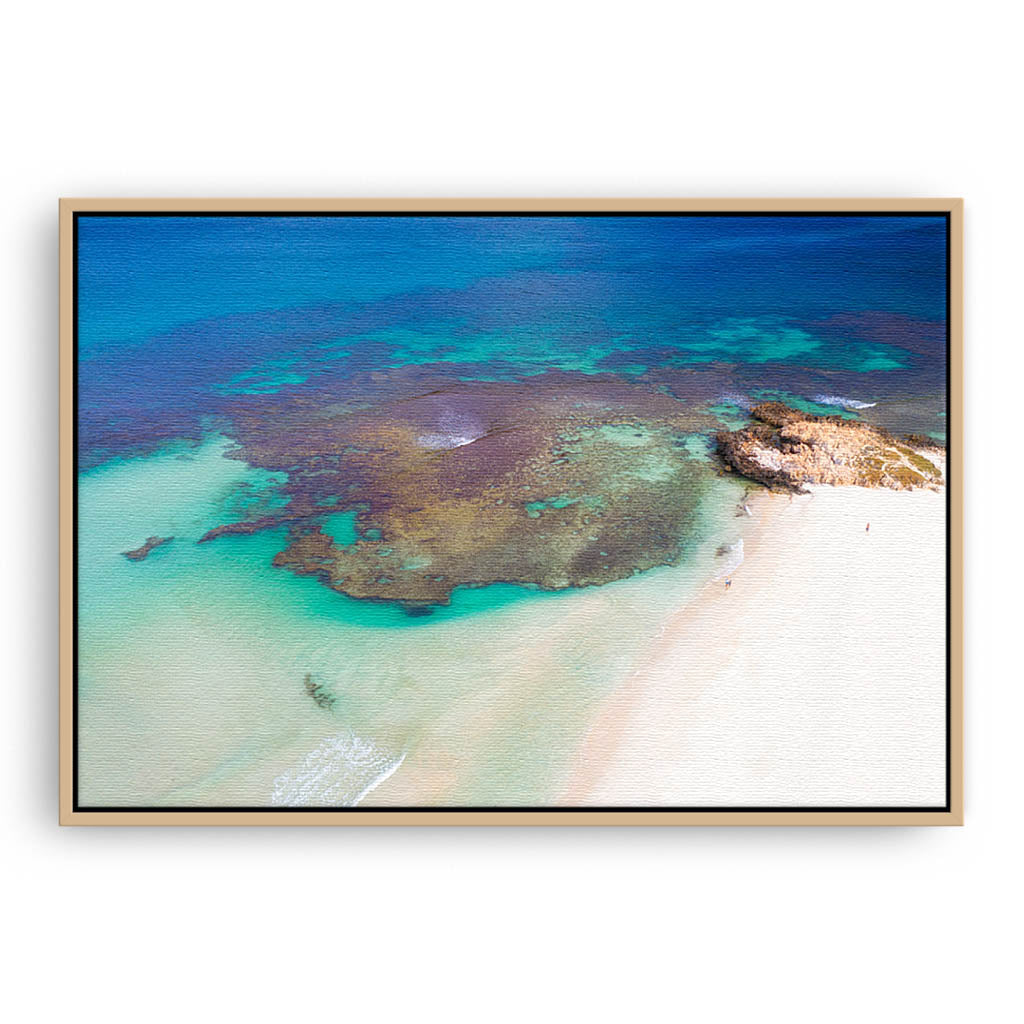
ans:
(786, 449)
(321, 695)
(138, 554)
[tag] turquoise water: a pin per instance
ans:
(534, 349)
(202, 485)
(341, 527)
(192, 661)
(803, 404)
(732, 415)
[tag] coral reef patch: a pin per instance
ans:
(565, 481)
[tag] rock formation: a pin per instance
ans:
(138, 554)
(786, 449)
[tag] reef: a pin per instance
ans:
(786, 449)
(138, 554)
(560, 481)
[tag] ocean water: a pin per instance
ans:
(197, 664)
(193, 661)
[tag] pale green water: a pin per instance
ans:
(534, 508)
(192, 661)
(731, 415)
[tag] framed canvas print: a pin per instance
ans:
(511, 511)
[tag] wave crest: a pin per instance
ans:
(842, 403)
(338, 773)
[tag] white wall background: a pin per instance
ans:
(778, 99)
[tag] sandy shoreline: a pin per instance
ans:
(817, 678)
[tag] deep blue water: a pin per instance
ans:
(178, 313)
(142, 276)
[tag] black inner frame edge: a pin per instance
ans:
(466, 213)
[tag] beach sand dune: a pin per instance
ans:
(817, 678)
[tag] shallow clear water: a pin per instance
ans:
(193, 661)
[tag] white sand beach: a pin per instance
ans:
(817, 678)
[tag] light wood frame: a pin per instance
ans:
(951, 814)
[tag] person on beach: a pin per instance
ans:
(867, 529)
(728, 584)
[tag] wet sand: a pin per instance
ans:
(817, 678)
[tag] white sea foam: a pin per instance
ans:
(732, 560)
(843, 403)
(444, 441)
(453, 430)
(735, 398)
(340, 772)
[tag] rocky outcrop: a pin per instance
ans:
(786, 449)
(138, 554)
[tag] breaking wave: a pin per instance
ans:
(843, 403)
(739, 400)
(454, 431)
(338, 773)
